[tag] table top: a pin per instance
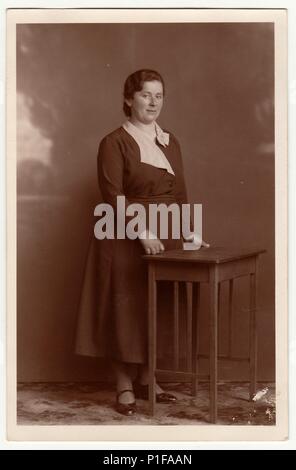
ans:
(213, 255)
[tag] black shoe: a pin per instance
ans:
(127, 409)
(142, 392)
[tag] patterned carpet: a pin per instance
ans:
(93, 403)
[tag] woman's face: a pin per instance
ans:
(147, 103)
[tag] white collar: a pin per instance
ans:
(150, 153)
(162, 137)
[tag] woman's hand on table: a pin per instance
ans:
(151, 244)
(152, 247)
(194, 242)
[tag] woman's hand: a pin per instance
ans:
(194, 242)
(152, 247)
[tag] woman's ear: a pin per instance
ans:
(128, 101)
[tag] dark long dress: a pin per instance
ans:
(112, 318)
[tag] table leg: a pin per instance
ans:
(189, 326)
(213, 342)
(176, 325)
(218, 317)
(152, 306)
(230, 318)
(195, 338)
(253, 331)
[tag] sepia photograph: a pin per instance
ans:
(146, 177)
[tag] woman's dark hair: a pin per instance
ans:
(135, 81)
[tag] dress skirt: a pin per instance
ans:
(112, 317)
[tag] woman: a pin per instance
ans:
(143, 163)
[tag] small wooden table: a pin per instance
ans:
(207, 265)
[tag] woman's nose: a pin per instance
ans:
(152, 101)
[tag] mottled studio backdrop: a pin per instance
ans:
(219, 103)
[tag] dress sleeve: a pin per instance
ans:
(110, 170)
(180, 186)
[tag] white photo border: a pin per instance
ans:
(154, 433)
